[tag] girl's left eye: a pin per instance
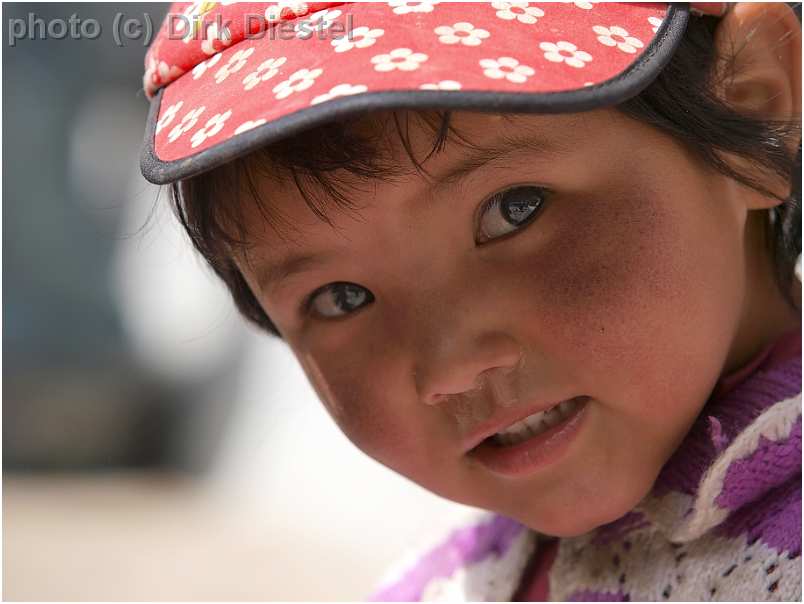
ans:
(509, 211)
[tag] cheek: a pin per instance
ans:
(369, 408)
(637, 290)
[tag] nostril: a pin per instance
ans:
(441, 397)
(461, 368)
(436, 399)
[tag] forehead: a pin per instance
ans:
(478, 139)
(480, 136)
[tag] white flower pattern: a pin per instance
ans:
(224, 37)
(202, 67)
(521, 11)
(399, 58)
(186, 124)
(246, 126)
(565, 52)
(159, 72)
(210, 129)
(264, 72)
(339, 90)
(656, 22)
(617, 36)
(317, 22)
(442, 85)
(508, 68)
(234, 64)
(168, 115)
(461, 33)
(402, 7)
(362, 37)
(274, 11)
(193, 15)
(298, 81)
(581, 4)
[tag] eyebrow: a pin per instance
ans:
(542, 147)
(270, 275)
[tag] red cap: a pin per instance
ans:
(225, 78)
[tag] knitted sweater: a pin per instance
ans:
(722, 521)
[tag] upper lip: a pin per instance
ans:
(503, 419)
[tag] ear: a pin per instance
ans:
(760, 44)
(763, 41)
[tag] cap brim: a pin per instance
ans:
(275, 88)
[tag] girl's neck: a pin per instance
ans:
(767, 315)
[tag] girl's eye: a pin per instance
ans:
(338, 299)
(508, 211)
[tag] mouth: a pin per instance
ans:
(520, 445)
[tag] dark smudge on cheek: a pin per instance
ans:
(607, 272)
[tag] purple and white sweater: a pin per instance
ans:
(722, 522)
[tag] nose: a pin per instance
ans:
(456, 366)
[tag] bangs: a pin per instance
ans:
(327, 165)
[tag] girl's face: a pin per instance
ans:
(586, 255)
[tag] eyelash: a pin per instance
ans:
(493, 203)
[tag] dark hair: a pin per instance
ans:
(680, 103)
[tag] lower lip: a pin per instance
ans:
(535, 453)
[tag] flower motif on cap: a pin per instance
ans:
(275, 11)
(246, 126)
(186, 123)
(234, 64)
(223, 37)
(168, 115)
(202, 67)
(320, 21)
(617, 36)
(655, 22)
(210, 129)
(565, 52)
(402, 7)
(506, 67)
(399, 58)
(339, 90)
(442, 85)
(159, 72)
(362, 37)
(263, 73)
(581, 4)
(298, 81)
(193, 16)
(519, 11)
(463, 33)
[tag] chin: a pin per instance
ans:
(572, 527)
(574, 520)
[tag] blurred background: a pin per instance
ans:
(155, 447)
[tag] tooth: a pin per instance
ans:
(553, 417)
(513, 429)
(535, 421)
(567, 407)
(530, 429)
(521, 430)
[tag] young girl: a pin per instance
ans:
(536, 257)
